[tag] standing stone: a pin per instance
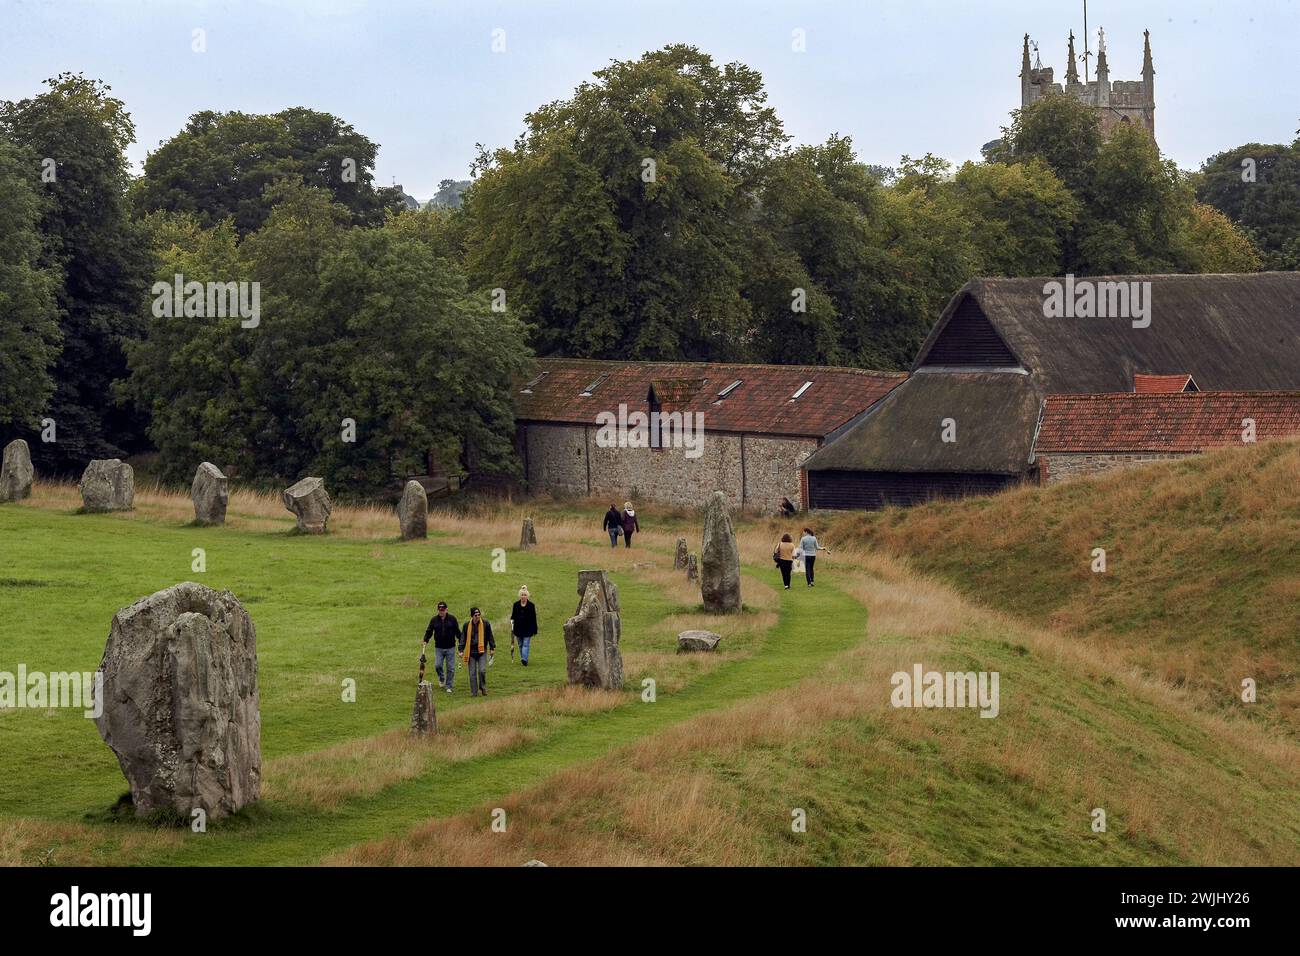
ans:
(180, 701)
(591, 636)
(527, 536)
(719, 559)
(210, 492)
(413, 511)
(424, 719)
(679, 562)
(107, 484)
(16, 473)
(693, 567)
(697, 641)
(310, 504)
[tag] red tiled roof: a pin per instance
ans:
(1149, 384)
(1182, 422)
(763, 403)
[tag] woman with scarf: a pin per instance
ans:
(630, 524)
(477, 645)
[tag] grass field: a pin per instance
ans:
(793, 716)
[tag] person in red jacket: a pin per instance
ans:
(629, 524)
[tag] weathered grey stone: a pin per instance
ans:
(108, 484)
(310, 504)
(180, 701)
(679, 561)
(210, 491)
(527, 536)
(533, 863)
(693, 567)
(424, 719)
(16, 472)
(719, 559)
(591, 636)
(413, 511)
(697, 641)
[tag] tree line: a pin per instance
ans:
(659, 213)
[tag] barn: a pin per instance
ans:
(582, 427)
(965, 420)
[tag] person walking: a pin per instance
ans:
(809, 546)
(630, 524)
(477, 645)
(445, 631)
(614, 525)
(523, 623)
(783, 555)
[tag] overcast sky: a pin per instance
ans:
(421, 78)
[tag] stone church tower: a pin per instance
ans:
(1117, 102)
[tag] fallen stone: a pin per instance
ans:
(210, 492)
(310, 504)
(591, 636)
(527, 536)
(719, 559)
(424, 718)
(413, 512)
(180, 705)
(697, 641)
(107, 484)
(533, 863)
(16, 472)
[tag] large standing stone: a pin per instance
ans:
(679, 561)
(697, 641)
(424, 719)
(210, 492)
(413, 511)
(719, 559)
(591, 636)
(16, 472)
(108, 484)
(693, 567)
(180, 701)
(310, 504)
(527, 536)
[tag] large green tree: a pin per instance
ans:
(221, 164)
(29, 330)
(78, 133)
(1257, 186)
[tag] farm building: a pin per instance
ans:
(583, 427)
(965, 421)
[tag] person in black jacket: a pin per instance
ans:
(523, 623)
(445, 633)
(614, 525)
(478, 646)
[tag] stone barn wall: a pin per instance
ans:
(1058, 467)
(752, 471)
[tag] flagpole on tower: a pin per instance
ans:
(1086, 53)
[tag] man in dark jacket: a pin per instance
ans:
(478, 646)
(523, 623)
(445, 633)
(614, 525)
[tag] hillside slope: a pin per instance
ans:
(1202, 580)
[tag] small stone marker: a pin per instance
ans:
(679, 561)
(424, 718)
(527, 536)
(697, 641)
(107, 484)
(720, 559)
(16, 473)
(210, 492)
(693, 567)
(413, 511)
(310, 504)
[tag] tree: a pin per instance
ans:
(103, 265)
(1258, 187)
(616, 223)
(221, 164)
(1059, 130)
(29, 330)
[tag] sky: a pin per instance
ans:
(422, 79)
